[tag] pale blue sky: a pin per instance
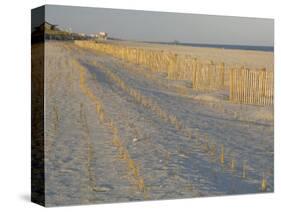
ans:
(163, 26)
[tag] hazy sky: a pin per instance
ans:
(163, 26)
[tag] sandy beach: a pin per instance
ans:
(173, 141)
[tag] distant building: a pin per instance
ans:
(46, 26)
(39, 32)
(82, 34)
(92, 35)
(48, 31)
(102, 35)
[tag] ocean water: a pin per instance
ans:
(223, 46)
(241, 47)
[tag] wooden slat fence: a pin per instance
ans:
(208, 76)
(251, 86)
(244, 85)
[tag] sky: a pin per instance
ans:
(164, 26)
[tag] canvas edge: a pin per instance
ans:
(37, 115)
